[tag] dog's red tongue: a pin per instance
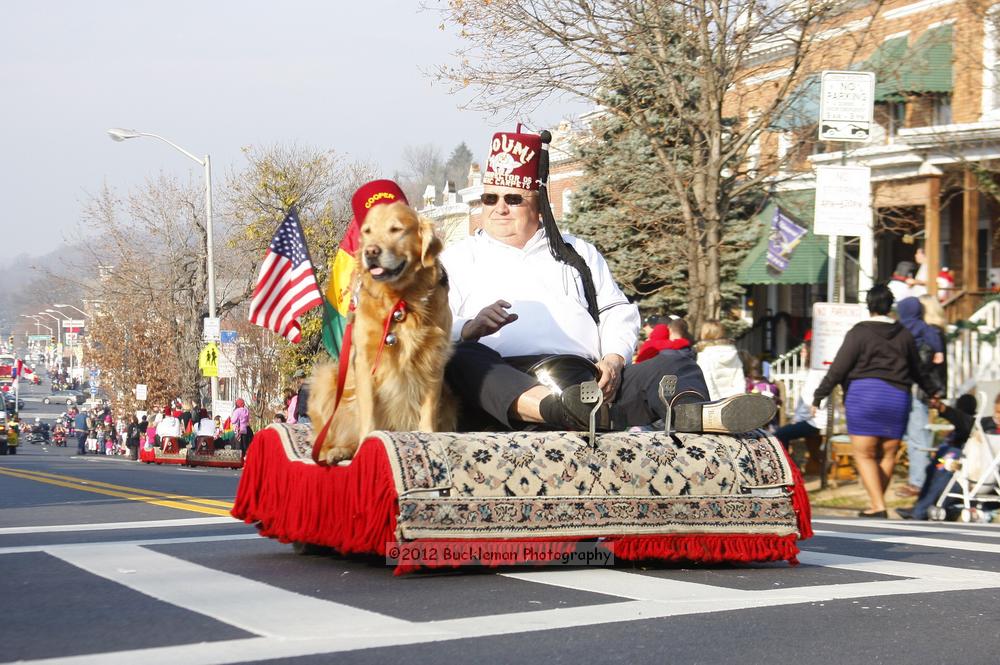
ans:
(376, 270)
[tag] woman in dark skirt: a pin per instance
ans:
(877, 364)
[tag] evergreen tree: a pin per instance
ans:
(631, 213)
(456, 169)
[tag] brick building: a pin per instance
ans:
(932, 153)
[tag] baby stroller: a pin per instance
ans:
(975, 475)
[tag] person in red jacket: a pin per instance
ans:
(660, 340)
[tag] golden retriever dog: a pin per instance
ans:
(397, 261)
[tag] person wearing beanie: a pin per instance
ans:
(899, 283)
(522, 291)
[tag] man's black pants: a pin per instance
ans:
(487, 385)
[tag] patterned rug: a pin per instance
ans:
(554, 484)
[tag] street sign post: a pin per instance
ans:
(843, 201)
(226, 364)
(830, 324)
(208, 360)
(846, 103)
(211, 329)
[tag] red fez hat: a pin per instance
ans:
(513, 161)
(374, 193)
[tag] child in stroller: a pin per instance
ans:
(946, 461)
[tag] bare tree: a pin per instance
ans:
(150, 251)
(700, 80)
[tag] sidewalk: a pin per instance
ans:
(848, 497)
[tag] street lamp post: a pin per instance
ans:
(72, 352)
(38, 330)
(119, 134)
(58, 326)
(73, 307)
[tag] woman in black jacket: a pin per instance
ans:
(877, 365)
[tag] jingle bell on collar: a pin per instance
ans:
(399, 314)
(390, 339)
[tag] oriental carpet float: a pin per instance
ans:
(647, 495)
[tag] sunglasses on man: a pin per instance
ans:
(491, 199)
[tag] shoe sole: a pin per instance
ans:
(739, 413)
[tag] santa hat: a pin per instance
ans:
(514, 160)
(375, 193)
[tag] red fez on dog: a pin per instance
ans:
(374, 193)
(514, 161)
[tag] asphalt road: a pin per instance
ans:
(108, 561)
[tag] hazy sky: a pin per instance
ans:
(212, 76)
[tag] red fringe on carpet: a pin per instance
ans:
(353, 510)
(800, 500)
(706, 547)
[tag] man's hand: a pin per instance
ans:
(611, 367)
(489, 320)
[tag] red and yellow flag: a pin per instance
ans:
(340, 289)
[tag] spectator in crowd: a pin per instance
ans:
(241, 424)
(759, 384)
(659, 340)
(279, 417)
(806, 423)
(991, 424)
(899, 283)
(132, 434)
(301, 411)
(188, 414)
(939, 472)
(720, 362)
(918, 283)
(81, 425)
(930, 348)
(649, 323)
(679, 330)
(877, 364)
(291, 398)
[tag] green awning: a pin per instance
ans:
(802, 108)
(809, 260)
(888, 62)
(927, 67)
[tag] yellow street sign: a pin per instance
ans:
(208, 360)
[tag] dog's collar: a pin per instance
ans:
(395, 315)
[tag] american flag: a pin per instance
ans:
(286, 286)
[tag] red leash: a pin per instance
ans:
(396, 314)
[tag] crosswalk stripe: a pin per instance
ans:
(111, 526)
(294, 625)
(940, 543)
(977, 530)
(247, 604)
